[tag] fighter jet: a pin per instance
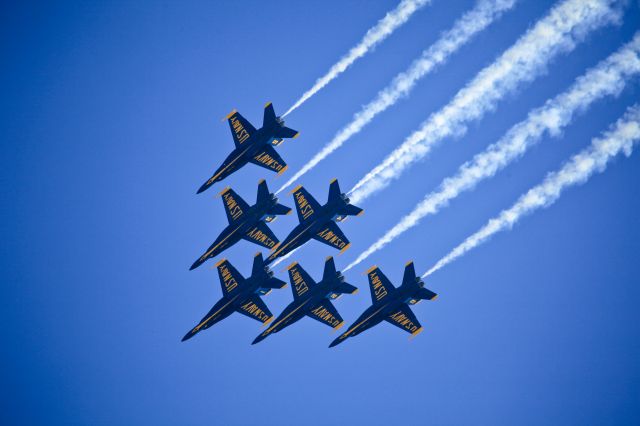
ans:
(240, 294)
(312, 299)
(390, 303)
(246, 222)
(317, 221)
(253, 146)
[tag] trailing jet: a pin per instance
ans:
(253, 146)
(312, 299)
(391, 304)
(317, 221)
(240, 294)
(246, 222)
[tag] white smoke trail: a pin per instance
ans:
(283, 258)
(607, 78)
(566, 24)
(373, 37)
(620, 138)
(471, 23)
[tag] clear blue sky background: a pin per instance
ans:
(111, 121)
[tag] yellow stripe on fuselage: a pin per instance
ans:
(277, 252)
(229, 165)
(199, 326)
(348, 332)
(217, 245)
(270, 329)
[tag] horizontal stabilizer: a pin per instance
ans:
(426, 294)
(285, 132)
(346, 288)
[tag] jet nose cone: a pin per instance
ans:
(195, 265)
(258, 339)
(188, 336)
(335, 342)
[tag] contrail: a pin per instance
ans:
(566, 24)
(372, 38)
(620, 138)
(471, 23)
(607, 78)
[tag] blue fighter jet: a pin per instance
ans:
(253, 146)
(390, 304)
(240, 294)
(317, 222)
(312, 299)
(246, 222)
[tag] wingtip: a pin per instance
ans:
(373, 268)
(228, 116)
(264, 324)
(356, 291)
(415, 333)
(282, 170)
(291, 266)
(434, 297)
(295, 189)
(345, 248)
(220, 262)
(296, 135)
(224, 191)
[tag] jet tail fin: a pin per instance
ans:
(261, 270)
(270, 120)
(344, 209)
(264, 196)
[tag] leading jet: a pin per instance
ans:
(312, 299)
(253, 146)
(246, 222)
(390, 304)
(240, 294)
(317, 221)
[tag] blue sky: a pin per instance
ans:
(111, 121)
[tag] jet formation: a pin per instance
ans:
(319, 222)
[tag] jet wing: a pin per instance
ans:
(268, 158)
(379, 284)
(405, 319)
(255, 308)
(234, 205)
(261, 234)
(241, 129)
(326, 313)
(333, 236)
(306, 205)
(230, 278)
(300, 280)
